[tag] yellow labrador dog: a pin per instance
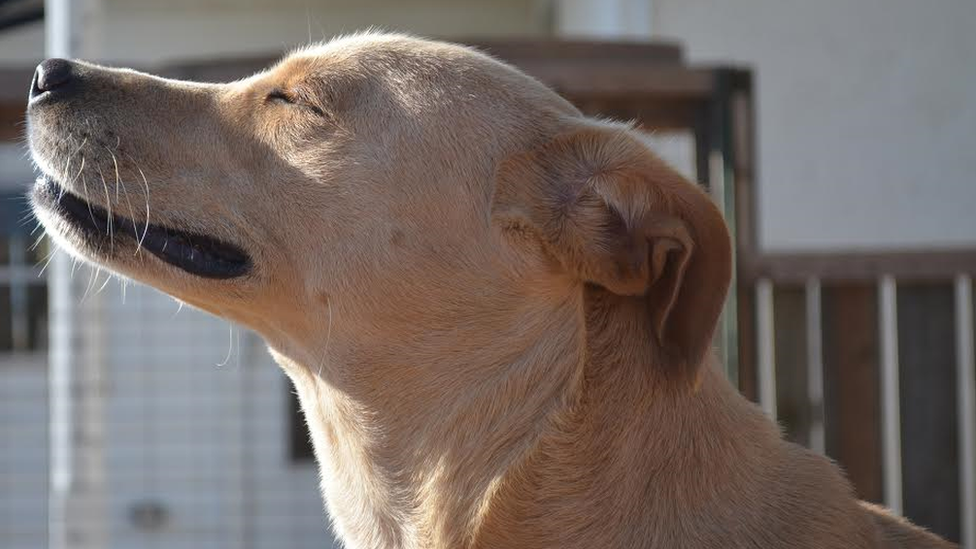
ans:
(497, 312)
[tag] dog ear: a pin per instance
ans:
(615, 215)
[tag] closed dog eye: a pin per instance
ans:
(279, 95)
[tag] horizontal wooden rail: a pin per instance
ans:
(798, 268)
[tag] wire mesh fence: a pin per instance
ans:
(180, 432)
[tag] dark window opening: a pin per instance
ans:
(23, 289)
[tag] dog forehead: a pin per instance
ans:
(362, 50)
(389, 55)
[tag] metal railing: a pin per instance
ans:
(762, 274)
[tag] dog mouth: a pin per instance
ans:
(194, 253)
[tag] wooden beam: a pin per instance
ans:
(660, 115)
(633, 54)
(858, 266)
(621, 80)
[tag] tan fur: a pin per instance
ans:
(496, 312)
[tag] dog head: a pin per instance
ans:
(378, 174)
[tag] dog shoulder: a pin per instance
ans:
(898, 533)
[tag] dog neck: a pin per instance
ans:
(413, 428)
(447, 435)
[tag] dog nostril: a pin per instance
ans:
(51, 74)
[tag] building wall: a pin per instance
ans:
(866, 138)
(141, 31)
(867, 123)
(865, 112)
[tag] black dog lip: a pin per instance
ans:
(197, 254)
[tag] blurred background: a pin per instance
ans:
(838, 137)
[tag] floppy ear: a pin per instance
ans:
(616, 216)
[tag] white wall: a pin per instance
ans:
(867, 121)
(867, 117)
(21, 45)
(147, 32)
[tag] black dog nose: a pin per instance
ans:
(50, 75)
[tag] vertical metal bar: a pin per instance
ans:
(765, 343)
(722, 164)
(726, 333)
(815, 378)
(603, 18)
(716, 180)
(890, 406)
(966, 381)
(741, 141)
(59, 398)
(76, 494)
(61, 36)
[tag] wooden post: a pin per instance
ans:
(852, 408)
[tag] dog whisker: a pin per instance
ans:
(108, 207)
(80, 170)
(108, 277)
(308, 21)
(145, 183)
(67, 169)
(230, 346)
(125, 192)
(37, 241)
(328, 339)
(92, 274)
(23, 221)
(84, 185)
(47, 261)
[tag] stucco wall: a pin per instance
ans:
(866, 118)
(867, 123)
(140, 32)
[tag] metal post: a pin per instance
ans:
(815, 381)
(966, 381)
(766, 347)
(726, 333)
(606, 19)
(60, 41)
(890, 393)
(75, 363)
